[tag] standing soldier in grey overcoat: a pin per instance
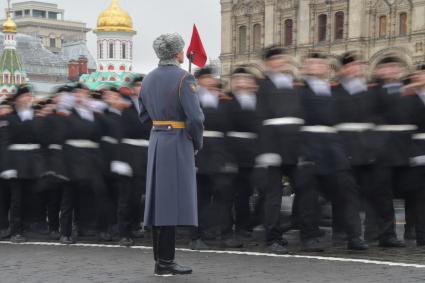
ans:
(169, 98)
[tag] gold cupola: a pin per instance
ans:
(114, 19)
(9, 25)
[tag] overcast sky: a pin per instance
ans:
(151, 18)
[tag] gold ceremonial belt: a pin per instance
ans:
(173, 124)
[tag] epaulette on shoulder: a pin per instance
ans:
(62, 114)
(225, 98)
(409, 93)
(372, 85)
(335, 84)
(299, 84)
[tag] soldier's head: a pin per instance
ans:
(277, 59)
(23, 97)
(80, 92)
(113, 98)
(169, 49)
(5, 107)
(243, 80)
(388, 69)
(137, 84)
(206, 77)
(317, 65)
(351, 65)
(417, 79)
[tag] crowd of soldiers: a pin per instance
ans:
(80, 156)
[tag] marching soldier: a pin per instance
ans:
(24, 162)
(322, 164)
(169, 98)
(242, 141)
(392, 139)
(84, 165)
(215, 171)
(282, 118)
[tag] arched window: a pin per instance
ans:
(123, 51)
(242, 39)
(6, 79)
(322, 27)
(111, 68)
(339, 25)
(288, 32)
(382, 26)
(122, 68)
(111, 50)
(18, 79)
(403, 24)
(257, 36)
(101, 50)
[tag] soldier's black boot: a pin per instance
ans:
(391, 242)
(168, 268)
(357, 244)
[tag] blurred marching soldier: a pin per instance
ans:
(24, 162)
(355, 106)
(55, 177)
(392, 139)
(169, 98)
(215, 171)
(5, 109)
(84, 165)
(414, 191)
(135, 152)
(118, 172)
(242, 141)
(281, 114)
(322, 164)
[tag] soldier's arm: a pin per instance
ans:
(192, 108)
(143, 113)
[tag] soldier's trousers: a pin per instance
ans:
(339, 187)
(164, 243)
(273, 200)
(4, 205)
(244, 188)
(123, 191)
(18, 187)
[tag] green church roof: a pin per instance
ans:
(11, 62)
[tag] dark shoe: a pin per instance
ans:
(231, 243)
(54, 235)
(277, 248)
(391, 243)
(104, 236)
(138, 234)
(171, 268)
(65, 240)
(244, 234)
(18, 238)
(409, 233)
(126, 242)
(339, 237)
(5, 233)
(312, 245)
(198, 245)
(357, 245)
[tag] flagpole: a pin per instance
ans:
(190, 62)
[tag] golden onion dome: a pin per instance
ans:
(114, 19)
(9, 25)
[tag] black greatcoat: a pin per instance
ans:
(273, 103)
(29, 164)
(243, 150)
(214, 156)
(356, 109)
(324, 149)
(84, 164)
(135, 154)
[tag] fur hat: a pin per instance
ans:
(167, 46)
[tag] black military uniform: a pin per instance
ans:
(215, 171)
(392, 139)
(85, 167)
(24, 163)
(280, 110)
(4, 189)
(323, 166)
(242, 141)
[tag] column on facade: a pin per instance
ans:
(303, 22)
(356, 18)
(269, 22)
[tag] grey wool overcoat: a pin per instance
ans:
(170, 94)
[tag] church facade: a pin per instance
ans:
(374, 28)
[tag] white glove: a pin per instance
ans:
(9, 174)
(121, 168)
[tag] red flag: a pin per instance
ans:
(196, 48)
